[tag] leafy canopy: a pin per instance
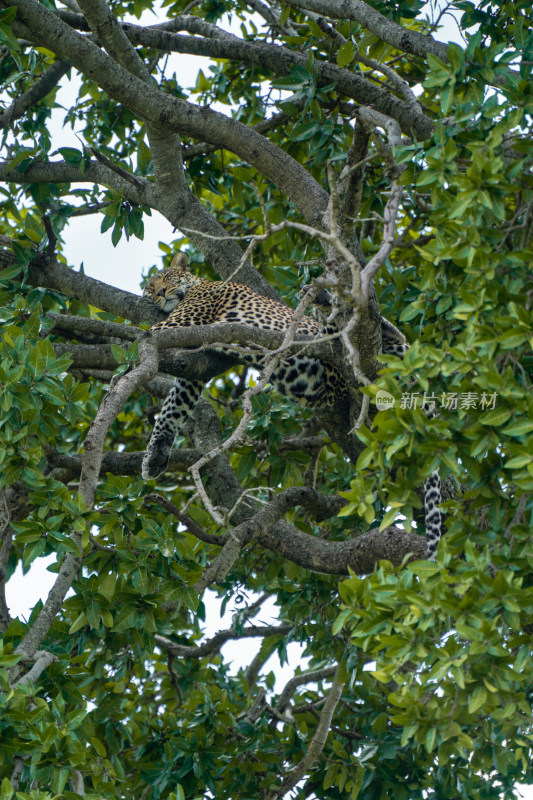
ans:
(435, 658)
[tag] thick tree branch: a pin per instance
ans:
(181, 208)
(89, 476)
(281, 60)
(360, 554)
(302, 443)
(404, 39)
(123, 463)
(264, 126)
(138, 190)
(40, 627)
(335, 558)
(401, 38)
(88, 327)
(43, 659)
(195, 365)
(261, 523)
(351, 180)
(393, 202)
(6, 541)
(106, 28)
(184, 22)
(50, 274)
(175, 200)
(171, 113)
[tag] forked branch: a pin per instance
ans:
(316, 745)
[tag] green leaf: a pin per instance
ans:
(519, 427)
(7, 15)
(430, 740)
(117, 232)
(71, 155)
(119, 354)
(6, 790)
(98, 746)
(456, 55)
(477, 699)
(246, 464)
(107, 585)
(59, 779)
(423, 569)
(7, 36)
(519, 461)
(80, 622)
(495, 417)
(189, 597)
(346, 54)
(341, 621)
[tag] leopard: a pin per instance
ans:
(190, 300)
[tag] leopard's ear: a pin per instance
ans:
(180, 262)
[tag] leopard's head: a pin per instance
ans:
(169, 286)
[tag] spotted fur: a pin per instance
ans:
(190, 300)
(432, 516)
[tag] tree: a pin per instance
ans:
(361, 156)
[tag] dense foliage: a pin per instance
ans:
(419, 675)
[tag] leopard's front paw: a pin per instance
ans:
(155, 460)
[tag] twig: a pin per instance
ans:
(108, 411)
(174, 678)
(123, 173)
(214, 644)
(46, 83)
(306, 677)
(52, 238)
(192, 527)
(255, 667)
(253, 713)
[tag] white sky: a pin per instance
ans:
(123, 266)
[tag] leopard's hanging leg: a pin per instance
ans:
(432, 515)
(178, 406)
(432, 501)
